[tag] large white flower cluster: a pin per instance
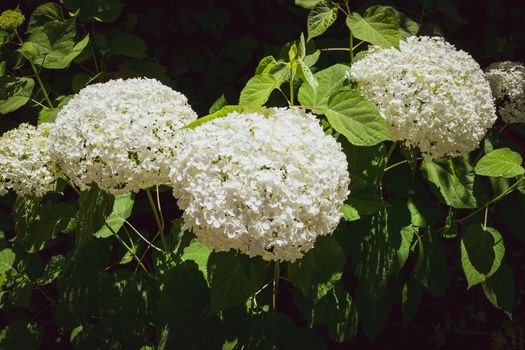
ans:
(120, 134)
(25, 164)
(431, 95)
(265, 185)
(507, 80)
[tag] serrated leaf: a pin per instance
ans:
(199, 254)
(378, 26)
(329, 81)
(45, 13)
(52, 45)
(307, 4)
(7, 258)
(482, 251)
(317, 271)
(432, 268)
(95, 206)
(320, 18)
(233, 278)
(122, 207)
(265, 65)
(52, 270)
(454, 180)
(48, 115)
(306, 75)
(500, 289)
(258, 90)
(106, 11)
(218, 104)
(502, 162)
(14, 93)
(224, 111)
(350, 213)
(356, 118)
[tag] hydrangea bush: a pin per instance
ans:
(349, 188)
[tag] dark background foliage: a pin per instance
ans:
(206, 48)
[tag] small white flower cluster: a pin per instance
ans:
(265, 185)
(507, 80)
(120, 134)
(431, 95)
(25, 164)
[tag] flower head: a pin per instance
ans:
(507, 81)
(120, 134)
(11, 19)
(25, 162)
(431, 95)
(266, 185)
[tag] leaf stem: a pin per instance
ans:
(276, 273)
(492, 201)
(336, 49)
(37, 76)
(291, 90)
(157, 219)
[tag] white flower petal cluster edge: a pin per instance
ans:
(431, 95)
(507, 81)
(265, 185)
(25, 164)
(121, 135)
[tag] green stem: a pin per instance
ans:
(291, 90)
(37, 76)
(129, 249)
(351, 35)
(157, 219)
(276, 273)
(336, 49)
(492, 201)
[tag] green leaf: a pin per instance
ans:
(317, 271)
(14, 93)
(500, 288)
(501, 162)
(306, 74)
(233, 278)
(454, 180)
(2, 68)
(45, 13)
(329, 81)
(52, 270)
(432, 268)
(218, 104)
(198, 253)
(123, 43)
(356, 118)
(307, 4)
(378, 26)
(320, 18)
(53, 45)
(410, 299)
(258, 90)
(7, 258)
(19, 334)
(482, 251)
(5, 37)
(265, 65)
(224, 111)
(122, 207)
(95, 206)
(350, 213)
(48, 115)
(38, 221)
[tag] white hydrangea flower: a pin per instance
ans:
(265, 185)
(25, 165)
(507, 80)
(431, 95)
(120, 134)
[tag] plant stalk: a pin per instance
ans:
(157, 219)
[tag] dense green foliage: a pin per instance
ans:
(425, 247)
